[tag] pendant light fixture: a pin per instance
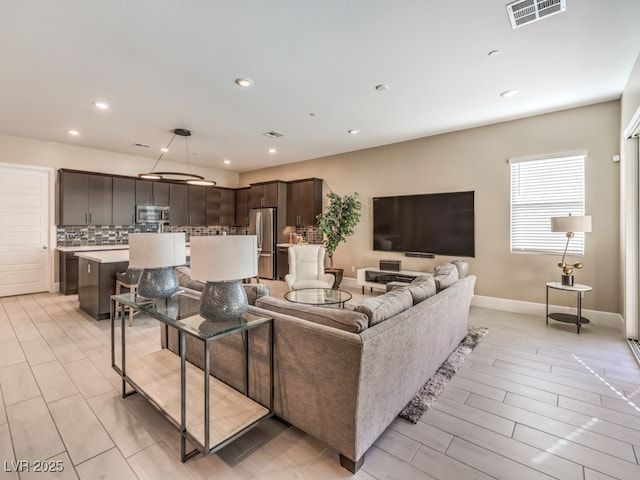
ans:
(190, 178)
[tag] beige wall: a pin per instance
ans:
(57, 155)
(476, 159)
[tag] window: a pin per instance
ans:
(542, 188)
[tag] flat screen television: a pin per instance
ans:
(433, 223)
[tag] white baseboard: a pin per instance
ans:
(607, 319)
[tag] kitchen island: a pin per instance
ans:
(97, 279)
(68, 262)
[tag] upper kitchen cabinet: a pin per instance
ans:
(186, 204)
(151, 192)
(242, 205)
(197, 205)
(178, 204)
(267, 194)
(304, 201)
(84, 198)
(220, 206)
(124, 201)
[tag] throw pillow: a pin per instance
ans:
(255, 291)
(446, 276)
(422, 288)
(379, 309)
(185, 280)
(346, 320)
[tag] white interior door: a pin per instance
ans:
(24, 230)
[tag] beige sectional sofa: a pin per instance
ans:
(343, 376)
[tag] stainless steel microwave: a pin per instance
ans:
(152, 214)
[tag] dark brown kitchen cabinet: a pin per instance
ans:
(220, 206)
(68, 273)
(96, 284)
(178, 204)
(304, 201)
(124, 201)
(197, 206)
(242, 206)
(84, 198)
(150, 192)
(186, 204)
(267, 194)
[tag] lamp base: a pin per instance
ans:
(158, 282)
(222, 301)
(567, 280)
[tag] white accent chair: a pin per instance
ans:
(306, 268)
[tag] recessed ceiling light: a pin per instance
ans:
(493, 53)
(164, 149)
(101, 105)
(244, 82)
(75, 133)
(382, 87)
(354, 131)
(509, 93)
(272, 150)
(227, 162)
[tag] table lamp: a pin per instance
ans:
(157, 254)
(570, 224)
(221, 262)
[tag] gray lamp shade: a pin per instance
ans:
(222, 261)
(157, 254)
(571, 223)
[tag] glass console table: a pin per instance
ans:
(208, 412)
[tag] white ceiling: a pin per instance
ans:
(168, 64)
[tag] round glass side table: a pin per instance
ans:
(579, 290)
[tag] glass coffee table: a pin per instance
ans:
(324, 297)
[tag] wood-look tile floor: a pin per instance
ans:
(531, 402)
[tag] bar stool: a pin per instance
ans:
(128, 280)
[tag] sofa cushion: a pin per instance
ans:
(382, 307)
(185, 280)
(346, 320)
(446, 275)
(422, 288)
(253, 291)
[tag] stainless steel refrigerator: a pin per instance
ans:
(262, 224)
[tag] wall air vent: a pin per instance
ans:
(273, 134)
(524, 12)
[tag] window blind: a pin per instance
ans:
(541, 189)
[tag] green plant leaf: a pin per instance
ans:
(339, 221)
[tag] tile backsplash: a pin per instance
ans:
(75, 236)
(81, 235)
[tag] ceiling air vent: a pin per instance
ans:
(524, 12)
(273, 134)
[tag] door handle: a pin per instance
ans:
(44, 247)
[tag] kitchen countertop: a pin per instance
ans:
(111, 256)
(92, 248)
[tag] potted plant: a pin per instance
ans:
(338, 223)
